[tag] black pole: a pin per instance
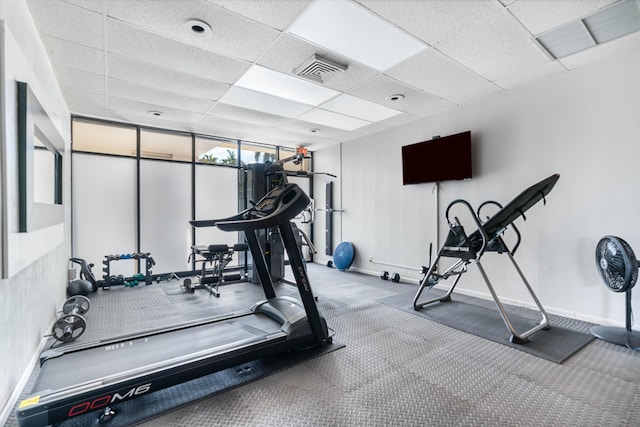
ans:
(302, 281)
(259, 264)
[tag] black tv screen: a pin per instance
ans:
(440, 159)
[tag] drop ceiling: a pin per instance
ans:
(120, 60)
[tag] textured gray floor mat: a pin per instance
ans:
(470, 315)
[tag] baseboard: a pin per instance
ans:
(526, 304)
(11, 403)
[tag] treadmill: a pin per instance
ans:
(93, 376)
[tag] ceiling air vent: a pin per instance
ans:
(319, 69)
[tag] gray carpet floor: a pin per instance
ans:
(397, 369)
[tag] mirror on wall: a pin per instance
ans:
(40, 151)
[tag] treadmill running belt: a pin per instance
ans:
(148, 352)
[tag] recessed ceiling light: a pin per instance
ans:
(198, 27)
(395, 97)
(352, 31)
(282, 85)
(314, 130)
(156, 113)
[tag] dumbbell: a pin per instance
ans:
(395, 277)
(70, 325)
(384, 275)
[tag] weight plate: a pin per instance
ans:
(78, 302)
(68, 327)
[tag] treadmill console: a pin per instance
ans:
(279, 206)
(270, 202)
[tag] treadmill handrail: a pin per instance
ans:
(198, 223)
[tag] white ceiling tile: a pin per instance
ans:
(433, 20)
(283, 85)
(146, 120)
(142, 109)
(68, 77)
(124, 68)
(494, 47)
(73, 55)
(304, 129)
(437, 75)
(355, 33)
(289, 52)
(380, 88)
(82, 97)
(227, 128)
(359, 108)
(64, 21)
(329, 118)
(625, 45)
(473, 94)
(530, 74)
(276, 14)
(231, 112)
(123, 39)
(398, 120)
(153, 63)
(433, 108)
(93, 5)
(162, 98)
(245, 98)
(539, 16)
(87, 110)
(231, 34)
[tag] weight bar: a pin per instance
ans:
(70, 325)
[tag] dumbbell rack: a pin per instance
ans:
(109, 281)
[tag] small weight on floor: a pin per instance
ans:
(384, 275)
(395, 277)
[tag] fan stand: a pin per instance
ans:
(619, 335)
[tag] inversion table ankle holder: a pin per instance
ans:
(487, 238)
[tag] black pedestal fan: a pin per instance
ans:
(618, 268)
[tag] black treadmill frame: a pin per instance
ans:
(52, 406)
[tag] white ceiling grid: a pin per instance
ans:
(120, 59)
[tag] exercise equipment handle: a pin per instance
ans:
(515, 229)
(483, 234)
(277, 207)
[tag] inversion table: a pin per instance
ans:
(487, 238)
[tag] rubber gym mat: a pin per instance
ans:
(478, 317)
(147, 407)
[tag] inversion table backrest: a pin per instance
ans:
(514, 209)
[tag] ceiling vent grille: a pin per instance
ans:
(615, 21)
(319, 69)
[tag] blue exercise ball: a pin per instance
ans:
(343, 256)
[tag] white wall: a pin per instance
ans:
(582, 124)
(35, 262)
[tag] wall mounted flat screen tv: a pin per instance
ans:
(441, 159)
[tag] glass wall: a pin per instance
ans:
(256, 153)
(161, 145)
(216, 151)
(104, 138)
(126, 201)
